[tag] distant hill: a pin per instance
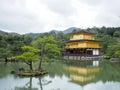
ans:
(33, 34)
(56, 31)
(71, 29)
(2, 32)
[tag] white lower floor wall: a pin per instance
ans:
(95, 51)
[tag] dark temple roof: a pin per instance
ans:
(81, 31)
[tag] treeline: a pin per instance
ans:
(10, 44)
(111, 31)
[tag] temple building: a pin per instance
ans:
(82, 43)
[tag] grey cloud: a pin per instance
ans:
(16, 17)
(92, 2)
(14, 14)
(107, 19)
(109, 13)
(112, 6)
(63, 7)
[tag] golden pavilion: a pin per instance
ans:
(82, 43)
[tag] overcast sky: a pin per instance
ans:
(24, 16)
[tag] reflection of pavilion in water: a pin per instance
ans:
(83, 75)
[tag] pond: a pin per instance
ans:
(83, 75)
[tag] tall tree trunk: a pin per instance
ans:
(41, 58)
(40, 63)
(31, 68)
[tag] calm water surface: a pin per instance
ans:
(92, 75)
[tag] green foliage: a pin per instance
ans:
(30, 49)
(60, 37)
(111, 50)
(3, 44)
(117, 51)
(40, 41)
(47, 45)
(27, 39)
(10, 44)
(114, 51)
(29, 54)
(117, 54)
(5, 53)
(48, 48)
(16, 47)
(116, 34)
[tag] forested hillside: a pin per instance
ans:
(10, 44)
